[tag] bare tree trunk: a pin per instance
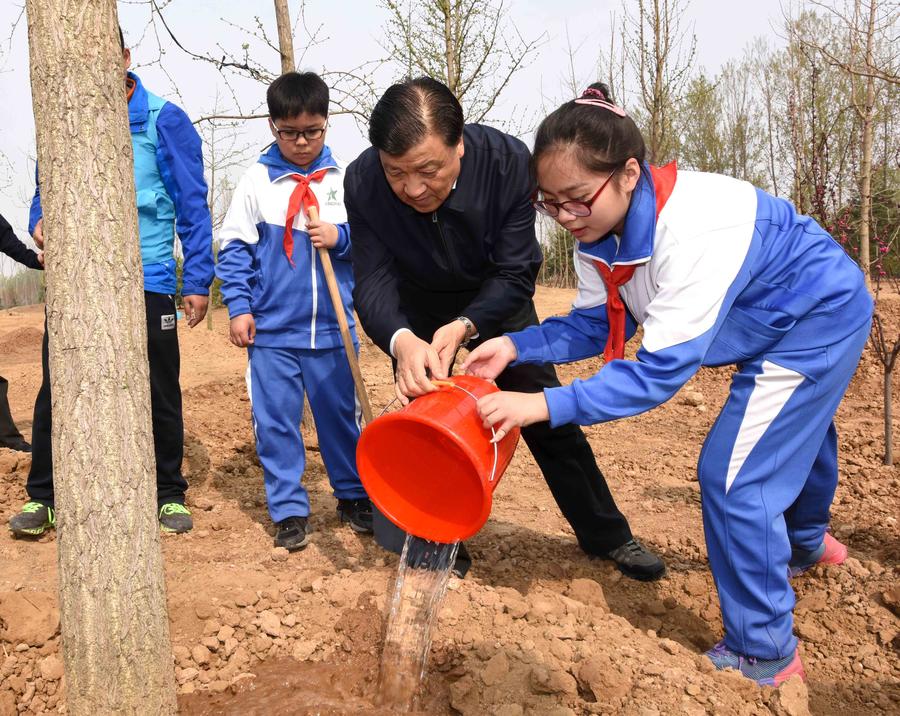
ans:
(285, 40)
(865, 168)
(888, 416)
(115, 632)
(211, 196)
(659, 101)
(450, 47)
(212, 207)
(887, 354)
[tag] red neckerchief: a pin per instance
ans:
(663, 184)
(130, 86)
(301, 198)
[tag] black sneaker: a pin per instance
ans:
(176, 518)
(291, 534)
(16, 443)
(34, 519)
(637, 562)
(358, 513)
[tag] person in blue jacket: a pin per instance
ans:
(171, 197)
(10, 437)
(274, 286)
(717, 272)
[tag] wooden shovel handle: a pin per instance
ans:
(338, 304)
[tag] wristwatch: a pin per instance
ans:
(470, 329)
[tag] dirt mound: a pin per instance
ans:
(537, 628)
(21, 345)
(28, 618)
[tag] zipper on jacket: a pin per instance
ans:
(451, 257)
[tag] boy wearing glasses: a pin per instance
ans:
(274, 286)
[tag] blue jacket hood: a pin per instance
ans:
(279, 167)
(138, 106)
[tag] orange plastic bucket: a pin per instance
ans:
(431, 467)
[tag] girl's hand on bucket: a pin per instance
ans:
(504, 411)
(490, 358)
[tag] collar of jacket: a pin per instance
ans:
(635, 245)
(279, 167)
(138, 107)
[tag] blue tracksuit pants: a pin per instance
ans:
(768, 473)
(276, 381)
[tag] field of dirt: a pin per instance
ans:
(535, 628)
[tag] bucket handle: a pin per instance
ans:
(451, 384)
(388, 407)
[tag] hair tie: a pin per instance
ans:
(596, 98)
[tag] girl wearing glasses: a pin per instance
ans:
(717, 272)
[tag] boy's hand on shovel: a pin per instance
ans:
(322, 234)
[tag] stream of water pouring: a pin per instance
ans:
(422, 577)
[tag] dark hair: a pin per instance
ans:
(409, 110)
(295, 93)
(602, 140)
(121, 39)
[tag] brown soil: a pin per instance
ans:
(536, 627)
(20, 344)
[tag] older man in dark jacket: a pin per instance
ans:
(445, 255)
(10, 437)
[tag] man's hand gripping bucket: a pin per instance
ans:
(431, 467)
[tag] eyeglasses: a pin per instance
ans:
(575, 208)
(292, 135)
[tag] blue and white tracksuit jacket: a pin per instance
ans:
(171, 194)
(298, 346)
(728, 274)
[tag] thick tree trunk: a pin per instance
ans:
(285, 40)
(115, 632)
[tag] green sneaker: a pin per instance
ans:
(175, 517)
(34, 519)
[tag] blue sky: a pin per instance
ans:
(351, 31)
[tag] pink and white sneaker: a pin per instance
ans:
(829, 552)
(765, 672)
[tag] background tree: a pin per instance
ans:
(742, 122)
(352, 90)
(115, 632)
(471, 45)
(813, 123)
(224, 151)
(886, 349)
(864, 50)
(285, 36)
(661, 53)
(701, 141)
